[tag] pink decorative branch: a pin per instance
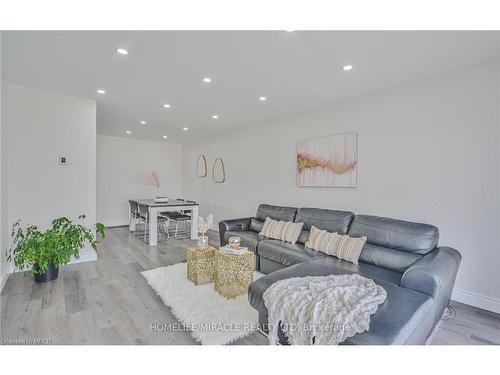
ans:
(153, 179)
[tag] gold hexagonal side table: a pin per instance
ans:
(233, 273)
(200, 265)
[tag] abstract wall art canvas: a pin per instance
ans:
(330, 161)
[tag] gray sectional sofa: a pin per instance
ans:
(403, 257)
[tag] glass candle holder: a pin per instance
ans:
(234, 242)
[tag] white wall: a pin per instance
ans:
(428, 152)
(122, 166)
(42, 125)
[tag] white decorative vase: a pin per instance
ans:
(203, 242)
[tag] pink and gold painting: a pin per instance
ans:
(328, 161)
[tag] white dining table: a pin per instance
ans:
(154, 208)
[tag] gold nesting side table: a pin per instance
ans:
(233, 273)
(200, 265)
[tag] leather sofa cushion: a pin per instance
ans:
(395, 234)
(249, 238)
(388, 258)
(396, 319)
(286, 253)
(304, 236)
(329, 220)
(256, 225)
(275, 212)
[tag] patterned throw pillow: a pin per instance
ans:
(340, 246)
(321, 240)
(281, 230)
(350, 248)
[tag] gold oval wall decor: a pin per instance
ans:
(222, 178)
(205, 169)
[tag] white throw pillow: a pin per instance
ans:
(350, 248)
(281, 230)
(341, 246)
(321, 240)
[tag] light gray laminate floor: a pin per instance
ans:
(109, 302)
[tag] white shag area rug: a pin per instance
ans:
(210, 318)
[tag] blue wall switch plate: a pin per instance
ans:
(63, 160)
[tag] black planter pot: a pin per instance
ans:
(49, 275)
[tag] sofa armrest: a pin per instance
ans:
(233, 224)
(434, 274)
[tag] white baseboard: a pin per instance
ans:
(117, 223)
(85, 256)
(476, 300)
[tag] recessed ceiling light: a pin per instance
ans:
(143, 122)
(347, 67)
(289, 31)
(262, 98)
(215, 117)
(207, 79)
(122, 51)
(165, 137)
(128, 132)
(185, 129)
(101, 91)
(166, 105)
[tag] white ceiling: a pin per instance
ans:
(296, 71)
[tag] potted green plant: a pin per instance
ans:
(41, 253)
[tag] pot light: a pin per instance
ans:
(185, 129)
(165, 137)
(262, 98)
(166, 105)
(122, 51)
(128, 132)
(347, 67)
(143, 122)
(207, 79)
(215, 117)
(101, 91)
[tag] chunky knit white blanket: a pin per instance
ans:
(321, 309)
